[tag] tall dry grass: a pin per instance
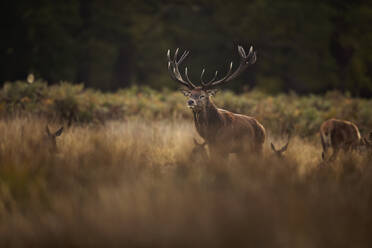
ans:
(135, 184)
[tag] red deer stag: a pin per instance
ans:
(339, 134)
(225, 132)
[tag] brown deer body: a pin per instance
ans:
(228, 132)
(339, 134)
(224, 131)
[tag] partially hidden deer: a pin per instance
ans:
(224, 131)
(339, 134)
(280, 152)
(49, 139)
(367, 141)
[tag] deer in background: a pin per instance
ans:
(279, 152)
(224, 131)
(367, 141)
(339, 134)
(50, 139)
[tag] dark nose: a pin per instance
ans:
(190, 102)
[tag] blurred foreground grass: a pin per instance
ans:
(135, 184)
(127, 179)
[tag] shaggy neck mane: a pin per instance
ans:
(208, 121)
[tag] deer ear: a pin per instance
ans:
(212, 92)
(47, 130)
(366, 142)
(273, 147)
(186, 92)
(59, 132)
(284, 148)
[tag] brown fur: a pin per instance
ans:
(224, 131)
(339, 134)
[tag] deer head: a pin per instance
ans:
(50, 138)
(199, 96)
(366, 143)
(279, 152)
(368, 140)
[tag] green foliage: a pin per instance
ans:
(74, 103)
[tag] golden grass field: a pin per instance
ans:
(124, 175)
(134, 183)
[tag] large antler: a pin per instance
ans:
(245, 61)
(174, 71)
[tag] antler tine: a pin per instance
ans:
(187, 76)
(245, 61)
(174, 70)
(176, 55)
(228, 74)
(184, 55)
(210, 81)
(214, 77)
(168, 55)
(172, 73)
(201, 77)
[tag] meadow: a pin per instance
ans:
(124, 174)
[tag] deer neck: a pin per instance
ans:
(207, 121)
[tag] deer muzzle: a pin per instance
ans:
(191, 103)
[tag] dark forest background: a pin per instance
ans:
(304, 46)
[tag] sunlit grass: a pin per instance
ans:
(134, 184)
(124, 175)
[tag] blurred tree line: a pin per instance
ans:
(305, 46)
